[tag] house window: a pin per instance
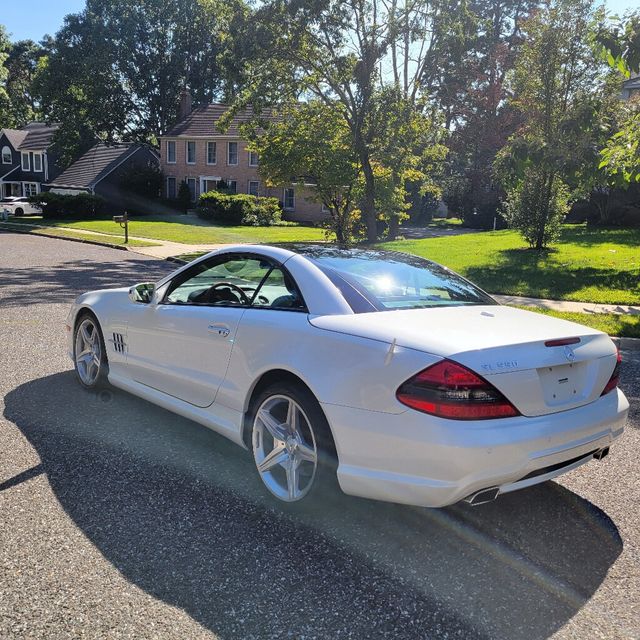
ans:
(254, 188)
(171, 188)
(37, 162)
(253, 159)
(6, 155)
(171, 151)
(191, 152)
(211, 152)
(289, 199)
(30, 189)
(233, 186)
(26, 165)
(232, 153)
(191, 182)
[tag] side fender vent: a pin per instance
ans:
(119, 345)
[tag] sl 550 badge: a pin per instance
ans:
(501, 365)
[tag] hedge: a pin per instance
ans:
(239, 209)
(56, 205)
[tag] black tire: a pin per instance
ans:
(101, 379)
(18, 212)
(324, 479)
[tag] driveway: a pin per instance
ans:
(120, 520)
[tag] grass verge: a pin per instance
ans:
(52, 232)
(190, 230)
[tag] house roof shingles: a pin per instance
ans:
(90, 168)
(14, 136)
(202, 121)
(38, 136)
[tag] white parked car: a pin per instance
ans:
(387, 371)
(19, 206)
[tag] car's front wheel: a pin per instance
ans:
(291, 442)
(19, 212)
(89, 353)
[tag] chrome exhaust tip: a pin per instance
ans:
(602, 453)
(483, 496)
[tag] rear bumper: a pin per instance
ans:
(413, 458)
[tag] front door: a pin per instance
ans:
(182, 345)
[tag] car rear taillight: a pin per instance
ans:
(449, 390)
(615, 376)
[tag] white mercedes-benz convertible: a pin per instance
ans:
(388, 372)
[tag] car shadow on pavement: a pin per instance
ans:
(178, 511)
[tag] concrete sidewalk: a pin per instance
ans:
(568, 305)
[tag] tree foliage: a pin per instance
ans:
(346, 53)
(620, 157)
(554, 81)
(116, 69)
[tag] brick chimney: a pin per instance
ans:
(185, 104)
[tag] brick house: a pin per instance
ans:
(195, 151)
(26, 160)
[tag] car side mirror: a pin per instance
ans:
(142, 292)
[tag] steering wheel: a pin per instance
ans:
(234, 287)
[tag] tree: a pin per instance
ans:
(21, 64)
(310, 144)
(620, 157)
(534, 210)
(344, 53)
(6, 118)
(554, 74)
(116, 69)
(484, 118)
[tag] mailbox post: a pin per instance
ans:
(123, 221)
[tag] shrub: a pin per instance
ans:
(57, 205)
(240, 209)
(184, 197)
(536, 207)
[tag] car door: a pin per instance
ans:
(182, 344)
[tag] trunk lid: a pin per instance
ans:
(504, 345)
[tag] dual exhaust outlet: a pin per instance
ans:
(490, 494)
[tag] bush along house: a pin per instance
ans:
(27, 162)
(197, 152)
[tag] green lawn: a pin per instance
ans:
(601, 265)
(78, 235)
(622, 326)
(189, 230)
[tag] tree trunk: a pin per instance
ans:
(368, 206)
(394, 227)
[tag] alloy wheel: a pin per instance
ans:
(284, 448)
(88, 352)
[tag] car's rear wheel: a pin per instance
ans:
(19, 212)
(292, 444)
(89, 353)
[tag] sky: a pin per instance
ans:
(33, 18)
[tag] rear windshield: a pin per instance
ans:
(383, 281)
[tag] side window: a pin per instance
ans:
(278, 291)
(229, 280)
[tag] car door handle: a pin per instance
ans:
(219, 329)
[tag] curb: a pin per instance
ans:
(119, 247)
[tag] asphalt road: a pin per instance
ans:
(120, 520)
